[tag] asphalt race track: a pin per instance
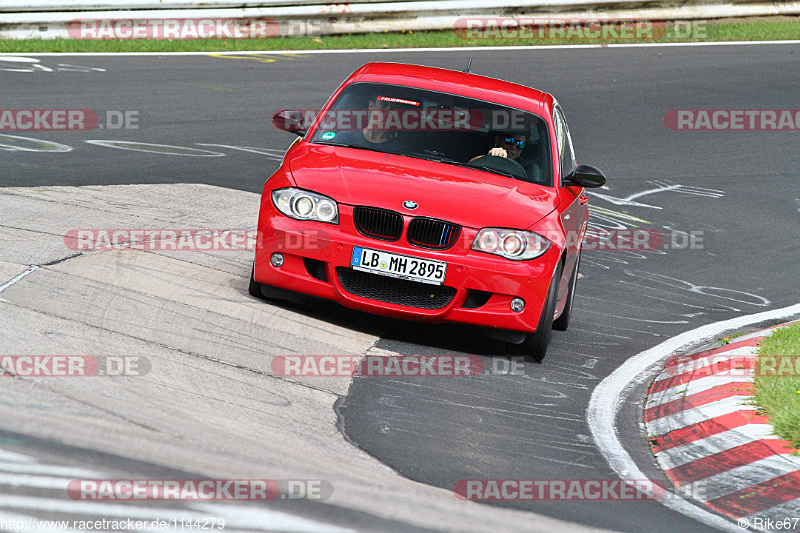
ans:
(737, 191)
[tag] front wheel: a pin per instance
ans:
(562, 322)
(255, 287)
(262, 291)
(534, 347)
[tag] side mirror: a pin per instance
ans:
(291, 121)
(585, 176)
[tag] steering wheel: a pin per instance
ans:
(502, 164)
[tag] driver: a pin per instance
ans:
(508, 145)
(511, 145)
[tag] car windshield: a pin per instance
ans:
(440, 127)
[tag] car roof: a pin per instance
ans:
(454, 82)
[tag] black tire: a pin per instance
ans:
(255, 287)
(534, 347)
(262, 291)
(562, 322)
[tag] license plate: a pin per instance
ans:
(398, 266)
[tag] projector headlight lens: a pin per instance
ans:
(517, 245)
(306, 205)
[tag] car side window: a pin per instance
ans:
(565, 150)
(559, 132)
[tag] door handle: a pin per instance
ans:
(583, 200)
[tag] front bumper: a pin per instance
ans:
(482, 285)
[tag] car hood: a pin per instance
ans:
(468, 197)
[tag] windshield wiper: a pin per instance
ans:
(440, 159)
(357, 146)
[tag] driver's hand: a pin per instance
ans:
(498, 152)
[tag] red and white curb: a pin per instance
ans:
(712, 443)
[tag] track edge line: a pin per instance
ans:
(617, 386)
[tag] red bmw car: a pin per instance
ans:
(429, 194)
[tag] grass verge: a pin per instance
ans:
(740, 29)
(779, 396)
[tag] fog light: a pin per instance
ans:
(276, 260)
(517, 305)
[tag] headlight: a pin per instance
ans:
(517, 245)
(305, 205)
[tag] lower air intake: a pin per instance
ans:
(395, 291)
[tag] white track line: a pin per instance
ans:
(256, 518)
(684, 390)
(680, 420)
(38, 482)
(242, 516)
(790, 508)
(236, 516)
(721, 442)
(180, 527)
(706, 361)
(14, 457)
(613, 391)
(739, 478)
(52, 470)
(53, 505)
(408, 50)
(16, 279)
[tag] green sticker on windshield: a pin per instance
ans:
(328, 135)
